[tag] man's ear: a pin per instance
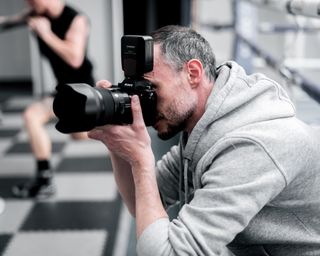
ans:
(194, 69)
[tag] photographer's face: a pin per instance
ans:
(176, 101)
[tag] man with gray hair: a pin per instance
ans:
(246, 170)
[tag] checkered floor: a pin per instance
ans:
(86, 217)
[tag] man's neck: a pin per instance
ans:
(204, 91)
(55, 9)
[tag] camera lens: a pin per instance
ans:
(79, 107)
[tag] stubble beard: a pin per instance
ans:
(177, 122)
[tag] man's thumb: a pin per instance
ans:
(136, 109)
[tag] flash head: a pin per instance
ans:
(136, 55)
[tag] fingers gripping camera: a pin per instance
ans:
(79, 107)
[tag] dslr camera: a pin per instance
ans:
(81, 107)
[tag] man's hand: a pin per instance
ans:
(130, 146)
(40, 25)
(3, 19)
(130, 142)
(2, 22)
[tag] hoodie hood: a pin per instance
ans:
(236, 100)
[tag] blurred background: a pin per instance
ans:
(279, 38)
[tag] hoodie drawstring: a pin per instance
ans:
(180, 177)
(183, 179)
(186, 185)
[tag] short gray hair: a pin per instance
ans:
(180, 44)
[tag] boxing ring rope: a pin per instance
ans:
(309, 8)
(291, 75)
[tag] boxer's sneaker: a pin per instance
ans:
(40, 188)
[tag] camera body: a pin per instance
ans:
(80, 107)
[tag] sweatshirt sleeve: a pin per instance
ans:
(236, 183)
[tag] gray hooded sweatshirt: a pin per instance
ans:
(248, 177)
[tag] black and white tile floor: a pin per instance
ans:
(86, 216)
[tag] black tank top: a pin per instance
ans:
(63, 72)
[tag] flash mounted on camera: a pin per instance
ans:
(136, 55)
(80, 107)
